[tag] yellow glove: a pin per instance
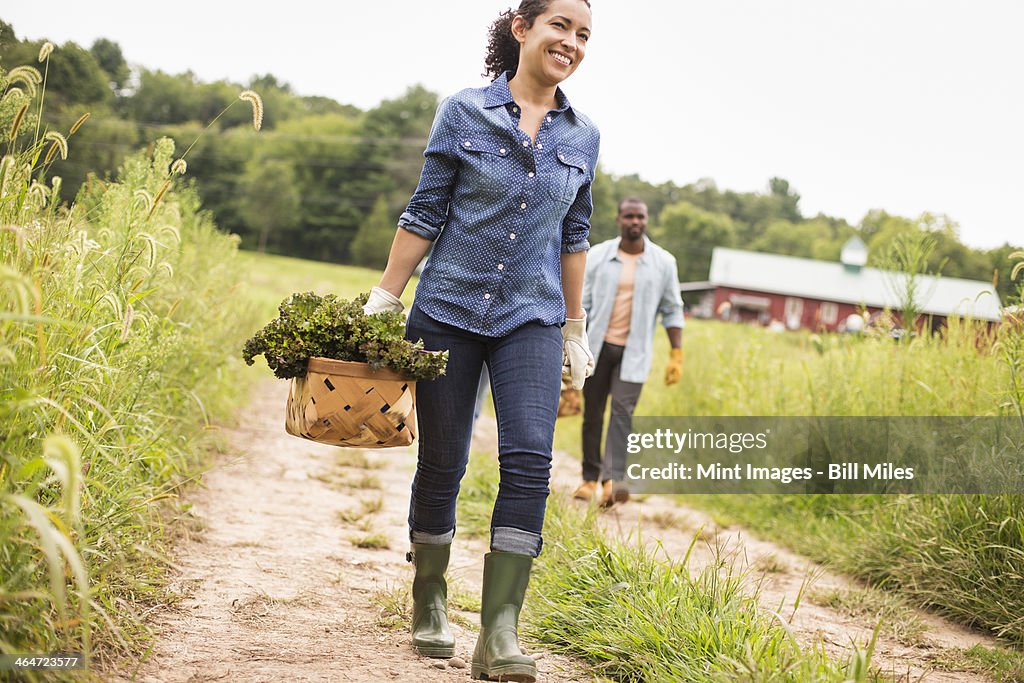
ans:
(674, 369)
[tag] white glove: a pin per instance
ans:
(577, 360)
(382, 300)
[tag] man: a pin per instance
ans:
(629, 281)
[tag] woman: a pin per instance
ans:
(505, 198)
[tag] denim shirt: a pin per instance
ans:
(655, 291)
(501, 209)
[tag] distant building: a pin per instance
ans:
(821, 295)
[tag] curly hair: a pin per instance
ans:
(502, 47)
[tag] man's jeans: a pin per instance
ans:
(595, 397)
(525, 371)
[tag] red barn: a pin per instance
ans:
(821, 295)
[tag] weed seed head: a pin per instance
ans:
(44, 51)
(126, 325)
(27, 75)
(17, 120)
(257, 107)
(14, 92)
(144, 199)
(179, 167)
(59, 144)
(78, 124)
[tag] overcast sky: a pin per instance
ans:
(903, 105)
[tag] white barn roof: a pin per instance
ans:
(832, 281)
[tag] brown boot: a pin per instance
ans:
(586, 491)
(613, 492)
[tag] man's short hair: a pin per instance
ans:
(631, 200)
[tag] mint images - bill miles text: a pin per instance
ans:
(851, 471)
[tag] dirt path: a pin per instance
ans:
(276, 586)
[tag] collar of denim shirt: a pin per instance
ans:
(499, 95)
(613, 254)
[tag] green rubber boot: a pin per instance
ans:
(431, 635)
(497, 656)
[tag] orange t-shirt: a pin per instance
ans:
(622, 310)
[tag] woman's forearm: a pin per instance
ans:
(407, 250)
(573, 266)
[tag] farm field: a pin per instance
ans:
(155, 517)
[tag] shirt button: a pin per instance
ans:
(511, 235)
(501, 266)
(523, 205)
(562, 157)
(549, 119)
(467, 143)
(540, 146)
(502, 150)
(487, 296)
(515, 109)
(531, 174)
(526, 143)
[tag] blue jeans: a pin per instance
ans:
(525, 371)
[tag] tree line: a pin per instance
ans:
(326, 180)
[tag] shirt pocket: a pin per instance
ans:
(571, 168)
(485, 167)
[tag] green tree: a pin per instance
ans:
(373, 240)
(690, 233)
(98, 148)
(786, 199)
(395, 133)
(268, 202)
(108, 55)
(602, 220)
(74, 77)
(819, 238)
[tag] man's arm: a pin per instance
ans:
(671, 308)
(675, 337)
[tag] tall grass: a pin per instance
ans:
(962, 555)
(119, 329)
(638, 617)
(635, 616)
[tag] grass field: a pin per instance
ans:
(961, 555)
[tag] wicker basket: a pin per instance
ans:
(348, 404)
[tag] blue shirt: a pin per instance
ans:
(655, 291)
(501, 209)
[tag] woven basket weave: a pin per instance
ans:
(348, 404)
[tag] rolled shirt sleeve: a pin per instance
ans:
(576, 225)
(427, 212)
(671, 304)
